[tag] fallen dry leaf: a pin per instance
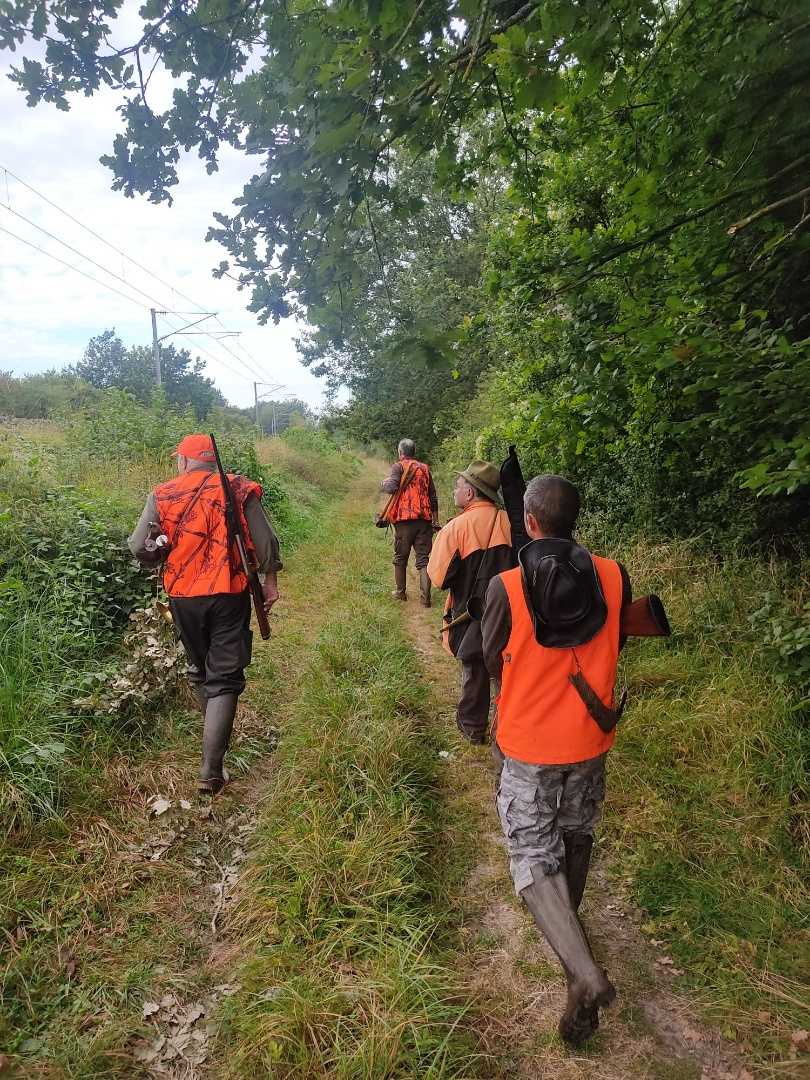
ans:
(160, 806)
(192, 1014)
(147, 1052)
(150, 1008)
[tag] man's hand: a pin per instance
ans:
(436, 525)
(270, 591)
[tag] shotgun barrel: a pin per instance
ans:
(236, 539)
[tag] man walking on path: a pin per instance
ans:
(551, 637)
(470, 548)
(207, 588)
(414, 512)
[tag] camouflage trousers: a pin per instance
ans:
(537, 804)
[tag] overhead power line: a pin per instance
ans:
(106, 285)
(253, 367)
(90, 277)
(112, 288)
(216, 359)
(81, 255)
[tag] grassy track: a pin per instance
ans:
(342, 923)
(372, 931)
(99, 900)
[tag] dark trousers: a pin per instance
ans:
(472, 712)
(215, 631)
(416, 534)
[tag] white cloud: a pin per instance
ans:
(48, 313)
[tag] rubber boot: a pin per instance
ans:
(401, 580)
(424, 587)
(200, 696)
(219, 716)
(578, 848)
(589, 989)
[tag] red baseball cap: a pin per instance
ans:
(198, 447)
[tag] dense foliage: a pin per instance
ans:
(48, 393)
(600, 203)
(107, 363)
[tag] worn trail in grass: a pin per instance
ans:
(515, 983)
(344, 909)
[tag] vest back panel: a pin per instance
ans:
(542, 720)
(413, 501)
(191, 508)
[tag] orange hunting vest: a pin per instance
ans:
(542, 720)
(413, 501)
(191, 508)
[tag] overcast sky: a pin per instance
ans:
(48, 312)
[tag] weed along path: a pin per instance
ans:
(514, 983)
(343, 909)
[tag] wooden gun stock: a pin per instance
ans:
(645, 617)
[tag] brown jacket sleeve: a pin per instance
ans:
(141, 531)
(390, 484)
(265, 541)
(434, 498)
(496, 626)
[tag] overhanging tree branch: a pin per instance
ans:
(743, 223)
(594, 266)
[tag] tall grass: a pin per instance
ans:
(37, 724)
(343, 923)
(68, 582)
(708, 811)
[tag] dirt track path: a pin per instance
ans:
(651, 1032)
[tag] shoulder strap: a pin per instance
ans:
(407, 475)
(486, 550)
(404, 480)
(193, 500)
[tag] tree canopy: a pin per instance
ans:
(107, 363)
(600, 207)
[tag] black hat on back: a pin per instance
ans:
(565, 594)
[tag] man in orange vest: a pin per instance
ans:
(551, 639)
(207, 588)
(414, 513)
(470, 548)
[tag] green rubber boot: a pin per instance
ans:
(589, 989)
(219, 717)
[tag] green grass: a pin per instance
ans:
(73, 791)
(68, 585)
(343, 927)
(707, 805)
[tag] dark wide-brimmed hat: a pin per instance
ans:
(565, 594)
(484, 477)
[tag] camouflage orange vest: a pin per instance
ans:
(191, 508)
(413, 501)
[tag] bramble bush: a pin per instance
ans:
(83, 649)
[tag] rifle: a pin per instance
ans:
(513, 486)
(236, 539)
(381, 519)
